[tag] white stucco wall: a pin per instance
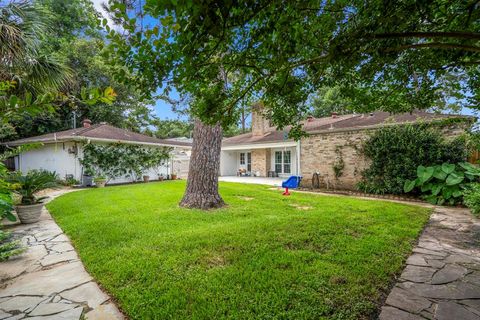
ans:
(229, 163)
(56, 157)
(51, 157)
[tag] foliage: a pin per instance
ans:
(262, 242)
(29, 184)
(328, 100)
(443, 183)
(117, 159)
(8, 248)
(396, 151)
(471, 198)
(23, 26)
(221, 53)
(339, 164)
(172, 128)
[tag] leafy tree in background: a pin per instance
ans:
(394, 56)
(67, 33)
(165, 129)
(328, 100)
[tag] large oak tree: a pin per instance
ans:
(389, 55)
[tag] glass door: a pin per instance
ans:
(249, 161)
(283, 162)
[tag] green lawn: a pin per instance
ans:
(265, 256)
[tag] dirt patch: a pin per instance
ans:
(245, 198)
(300, 207)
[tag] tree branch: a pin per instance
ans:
(451, 34)
(436, 45)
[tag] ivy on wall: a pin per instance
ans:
(395, 153)
(116, 160)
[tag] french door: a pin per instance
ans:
(283, 161)
(246, 159)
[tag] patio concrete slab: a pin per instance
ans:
(442, 277)
(277, 182)
(48, 281)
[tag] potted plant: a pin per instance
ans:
(27, 186)
(160, 177)
(100, 181)
(174, 175)
(146, 178)
(87, 179)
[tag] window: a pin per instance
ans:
(278, 161)
(286, 161)
(283, 161)
(242, 158)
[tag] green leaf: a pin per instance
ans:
(10, 216)
(439, 173)
(436, 189)
(425, 173)
(426, 187)
(448, 168)
(454, 179)
(409, 185)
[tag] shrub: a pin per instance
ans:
(443, 183)
(396, 152)
(32, 182)
(471, 198)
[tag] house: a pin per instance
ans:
(61, 151)
(266, 151)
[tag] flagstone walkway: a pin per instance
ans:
(49, 281)
(442, 277)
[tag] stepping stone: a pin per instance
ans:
(14, 267)
(47, 309)
(451, 310)
(45, 282)
(417, 274)
(21, 303)
(407, 301)
(452, 291)
(449, 273)
(89, 292)
(104, 312)
(473, 304)
(57, 258)
(72, 314)
(390, 313)
(430, 252)
(4, 315)
(417, 260)
(62, 247)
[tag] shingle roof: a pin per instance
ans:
(345, 122)
(104, 132)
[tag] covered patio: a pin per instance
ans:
(262, 160)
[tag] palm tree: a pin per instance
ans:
(23, 26)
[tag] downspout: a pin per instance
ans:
(299, 173)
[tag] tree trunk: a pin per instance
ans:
(202, 183)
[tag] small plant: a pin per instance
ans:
(31, 183)
(471, 198)
(339, 164)
(8, 248)
(444, 183)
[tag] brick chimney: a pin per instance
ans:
(260, 124)
(86, 123)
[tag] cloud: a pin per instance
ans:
(98, 6)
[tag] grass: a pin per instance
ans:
(265, 256)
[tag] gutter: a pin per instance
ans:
(83, 139)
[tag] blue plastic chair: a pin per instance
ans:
(292, 182)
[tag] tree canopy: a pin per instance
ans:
(393, 56)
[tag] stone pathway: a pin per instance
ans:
(49, 281)
(442, 277)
